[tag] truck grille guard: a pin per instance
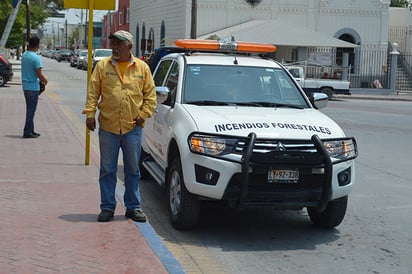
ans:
(248, 156)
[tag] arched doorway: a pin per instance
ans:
(351, 36)
(340, 51)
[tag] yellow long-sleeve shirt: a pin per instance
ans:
(120, 98)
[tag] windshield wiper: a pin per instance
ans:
(208, 103)
(252, 104)
(277, 105)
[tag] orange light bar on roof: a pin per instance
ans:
(213, 45)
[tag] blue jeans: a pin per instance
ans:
(110, 145)
(32, 98)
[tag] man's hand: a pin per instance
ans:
(139, 121)
(91, 123)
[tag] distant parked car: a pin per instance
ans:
(82, 59)
(54, 54)
(74, 58)
(6, 71)
(99, 54)
(64, 55)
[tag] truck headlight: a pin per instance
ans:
(210, 145)
(343, 149)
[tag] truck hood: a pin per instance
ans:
(282, 123)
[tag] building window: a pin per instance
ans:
(127, 15)
(97, 32)
(120, 18)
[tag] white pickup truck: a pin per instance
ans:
(328, 86)
(238, 130)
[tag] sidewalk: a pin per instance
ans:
(50, 201)
(366, 96)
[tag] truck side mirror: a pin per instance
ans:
(319, 100)
(162, 93)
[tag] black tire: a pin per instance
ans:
(327, 91)
(184, 207)
(2, 80)
(332, 216)
(144, 174)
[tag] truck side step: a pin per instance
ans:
(156, 171)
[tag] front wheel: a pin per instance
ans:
(184, 207)
(332, 216)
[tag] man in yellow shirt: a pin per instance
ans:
(122, 88)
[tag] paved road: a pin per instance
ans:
(374, 238)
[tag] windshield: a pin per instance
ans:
(103, 53)
(237, 85)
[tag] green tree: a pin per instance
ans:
(400, 3)
(38, 16)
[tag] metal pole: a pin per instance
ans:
(66, 34)
(9, 26)
(109, 22)
(89, 72)
(28, 31)
(345, 64)
(193, 28)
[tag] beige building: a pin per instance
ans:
(330, 32)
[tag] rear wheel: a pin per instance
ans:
(332, 216)
(327, 91)
(184, 207)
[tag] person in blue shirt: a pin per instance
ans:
(31, 74)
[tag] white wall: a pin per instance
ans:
(152, 13)
(368, 19)
(400, 22)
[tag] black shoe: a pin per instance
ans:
(105, 216)
(35, 133)
(30, 136)
(136, 215)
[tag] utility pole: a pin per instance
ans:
(65, 29)
(28, 29)
(109, 22)
(193, 34)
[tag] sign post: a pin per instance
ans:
(91, 5)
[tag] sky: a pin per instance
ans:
(73, 17)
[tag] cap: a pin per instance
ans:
(122, 35)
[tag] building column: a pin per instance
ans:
(394, 66)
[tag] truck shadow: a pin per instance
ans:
(256, 229)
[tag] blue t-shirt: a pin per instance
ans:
(30, 62)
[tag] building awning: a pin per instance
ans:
(280, 34)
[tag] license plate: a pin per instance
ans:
(283, 176)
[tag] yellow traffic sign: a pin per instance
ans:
(84, 4)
